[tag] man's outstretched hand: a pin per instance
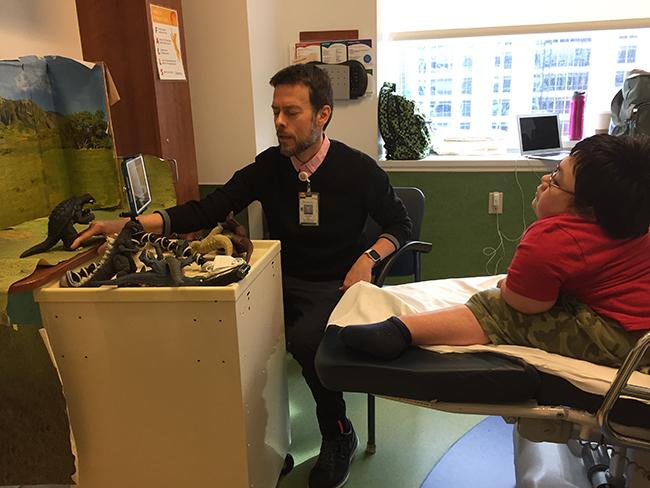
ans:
(98, 227)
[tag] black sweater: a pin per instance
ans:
(351, 186)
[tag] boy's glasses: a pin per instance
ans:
(553, 183)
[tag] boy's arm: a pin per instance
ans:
(521, 303)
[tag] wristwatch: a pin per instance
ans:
(374, 255)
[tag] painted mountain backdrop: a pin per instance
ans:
(80, 130)
(53, 137)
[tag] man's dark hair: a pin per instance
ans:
(314, 78)
(612, 175)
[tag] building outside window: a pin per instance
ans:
(481, 83)
(526, 74)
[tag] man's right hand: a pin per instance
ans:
(99, 227)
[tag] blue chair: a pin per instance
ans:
(404, 262)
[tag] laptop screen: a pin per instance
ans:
(539, 133)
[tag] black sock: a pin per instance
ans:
(385, 340)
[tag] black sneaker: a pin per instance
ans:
(333, 465)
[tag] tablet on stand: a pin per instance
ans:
(137, 186)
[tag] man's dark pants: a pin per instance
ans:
(307, 306)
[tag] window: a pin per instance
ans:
(466, 88)
(506, 84)
(500, 107)
(619, 78)
(440, 109)
(466, 108)
(441, 86)
(482, 82)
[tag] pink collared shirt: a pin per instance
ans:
(312, 165)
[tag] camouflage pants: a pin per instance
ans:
(570, 328)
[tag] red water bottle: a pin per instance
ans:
(577, 115)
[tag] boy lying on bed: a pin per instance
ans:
(579, 282)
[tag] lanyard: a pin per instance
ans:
(304, 176)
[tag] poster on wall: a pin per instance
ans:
(167, 43)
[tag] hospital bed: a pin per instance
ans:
(550, 398)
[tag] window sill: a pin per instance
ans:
(467, 164)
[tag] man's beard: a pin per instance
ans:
(301, 144)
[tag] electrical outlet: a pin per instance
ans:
(495, 202)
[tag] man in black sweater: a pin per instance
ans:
(316, 194)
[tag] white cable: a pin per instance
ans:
(492, 252)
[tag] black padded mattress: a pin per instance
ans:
(482, 377)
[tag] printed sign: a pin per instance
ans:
(167, 43)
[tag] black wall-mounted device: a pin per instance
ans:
(349, 79)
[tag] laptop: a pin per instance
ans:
(539, 137)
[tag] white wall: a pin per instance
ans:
(39, 27)
(267, 55)
(354, 121)
(217, 44)
(233, 49)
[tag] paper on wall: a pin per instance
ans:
(334, 52)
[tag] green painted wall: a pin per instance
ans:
(456, 219)
(458, 224)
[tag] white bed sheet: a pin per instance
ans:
(366, 303)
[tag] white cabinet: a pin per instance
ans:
(171, 387)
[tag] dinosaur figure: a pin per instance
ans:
(165, 265)
(151, 278)
(215, 242)
(60, 223)
(167, 244)
(228, 239)
(164, 270)
(237, 233)
(118, 259)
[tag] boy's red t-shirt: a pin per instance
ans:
(567, 254)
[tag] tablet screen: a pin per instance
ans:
(137, 185)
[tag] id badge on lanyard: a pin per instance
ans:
(308, 208)
(307, 204)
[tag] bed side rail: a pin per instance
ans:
(620, 388)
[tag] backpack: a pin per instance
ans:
(401, 125)
(631, 106)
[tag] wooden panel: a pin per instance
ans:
(175, 116)
(153, 116)
(331, 35)
(116, 32)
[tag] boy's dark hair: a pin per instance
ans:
(612, 175)
(314, 78)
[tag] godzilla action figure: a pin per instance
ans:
(164, 270)
(167, 270)
(117, 267)
(117, 261)
(60, 225)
